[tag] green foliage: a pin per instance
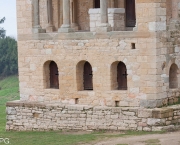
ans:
(8, 57)
(2, 31)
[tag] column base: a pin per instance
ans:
(38, 30)
(65, 30)
(50, 29)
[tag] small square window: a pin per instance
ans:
(77, 101)
(116, 103)
(133, 46)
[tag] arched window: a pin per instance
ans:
(54, 79)
(122, 76)
(88, 76)
(173, 79)
(96, 3)
(130, 13)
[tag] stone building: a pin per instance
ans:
(99, 52)
(97, 64)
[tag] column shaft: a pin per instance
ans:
(36, 25)
(36, 13)
(66, 13)
(50, 27)
(65, 28)
(103, 10)
(49, 10)
(104, 26)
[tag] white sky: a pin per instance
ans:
(8, 10)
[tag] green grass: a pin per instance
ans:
(10, 91)
(152, 142)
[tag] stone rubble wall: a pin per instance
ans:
(116, 19)
(23, 116)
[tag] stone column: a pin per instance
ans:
(103, 11)
(65, 28)
(104, 27)
(50, 27)
(36, 25)
(74, 25)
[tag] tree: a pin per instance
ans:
(8, 57)
(2, 31)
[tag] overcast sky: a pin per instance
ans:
(8, 10)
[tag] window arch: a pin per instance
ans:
(96, 3)
(54, 79)
(173, 78)
(84, 76)
(88, 76)
(118, 76)
(122, 76)
(51, 75)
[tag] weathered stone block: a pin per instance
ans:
(145, 113)
(162, 113)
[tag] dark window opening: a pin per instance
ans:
(77, 101)
(133, 46)
(173, 78)
(54, 75)
(122, 76)
(96, 3)
(88, 76)
(130, 13)
(116, 103)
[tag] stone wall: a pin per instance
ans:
(23, 116)
(156, 49)
(67, 53)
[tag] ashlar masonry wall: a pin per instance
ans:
(101, 51)
(148, 82)
(23, 116)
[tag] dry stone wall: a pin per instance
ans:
(23, 116)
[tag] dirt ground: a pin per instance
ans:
(170, 138)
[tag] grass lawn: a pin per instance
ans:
(10, 91)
